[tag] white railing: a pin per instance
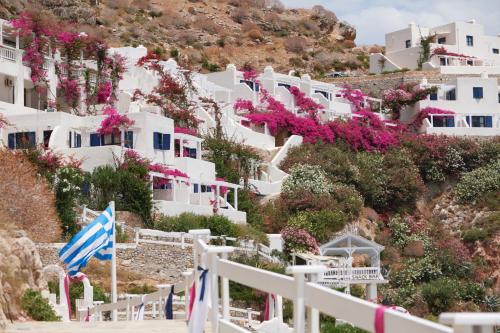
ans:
(351, 274)
(8, 53)
(305, 293)
(301, 288)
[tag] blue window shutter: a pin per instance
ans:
(12, 141)
(166, 142)
(156, 140)
(433, 97)
(129, 139)
(450, 121)
(209, 188)
(195, 188)
(70, 138)
(95, 140)
(468, 120)
(257, 87)
(488, 121)
(477, 92)
(78, 140)
(32, 139)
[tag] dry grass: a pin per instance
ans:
(27, 201)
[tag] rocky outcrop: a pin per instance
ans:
(20, 269)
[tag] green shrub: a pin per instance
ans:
(321, 225)
(37, 307)
(478, 182)
(390, 181)
(310, 178)
(181, 223)
(474, 234)
(471, 291)
(440, 295)
(357, 291)
(144, 289)
(220, 225)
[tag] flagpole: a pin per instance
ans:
(114, 297)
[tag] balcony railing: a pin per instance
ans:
(334, 275)
(7, 53)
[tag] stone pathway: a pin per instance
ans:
(146, 326)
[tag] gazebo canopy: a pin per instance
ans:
(348, 244)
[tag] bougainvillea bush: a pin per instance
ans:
(298, 240)
(39, 31)
(403, 96)
(114, 121)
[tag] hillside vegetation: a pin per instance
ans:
(212, 33)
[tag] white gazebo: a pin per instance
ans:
(347, 246)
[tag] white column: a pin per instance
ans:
(198, 151)
(114, 295)
(214, 292)
(217, 193)
(189, 192)
(371, 291)
(181, 148)
(225, 294)
(299, 273)
(19, 84)
(174, 185)
(236, 198)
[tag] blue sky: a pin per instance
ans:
(373, 18)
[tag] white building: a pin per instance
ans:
(152, 135)
(475, 102)
(458, 44)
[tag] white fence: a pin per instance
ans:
(309, 299)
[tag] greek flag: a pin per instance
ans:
(94, 240)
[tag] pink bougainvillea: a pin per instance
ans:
(3, 121)
(223, 189)
(305, 104)
(104, 91)
(249, 73)
(70, 91)
(299, 240)
(425, 113)
(244, 105)
(185, 130)
(167, 172)
(405, 95)
(114, 121)
(443, 51)
(355, 96)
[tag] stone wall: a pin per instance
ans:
(375, 84)
(149, 264)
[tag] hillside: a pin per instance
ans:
(212, 33)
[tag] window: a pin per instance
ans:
(253, 85)
(442, 61)
(495, 51)
(477, 92)
(74, 140)
(161, 141)
(46, 138)
(324, 93)
(442, 40)
(498, 97)
(470, 40)
(433, 97)
(129, 139)
(451, 95)
(287, 86)
(22, 140)
(96, 140)
(480, 121)
(408, 43)
(195, 188)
